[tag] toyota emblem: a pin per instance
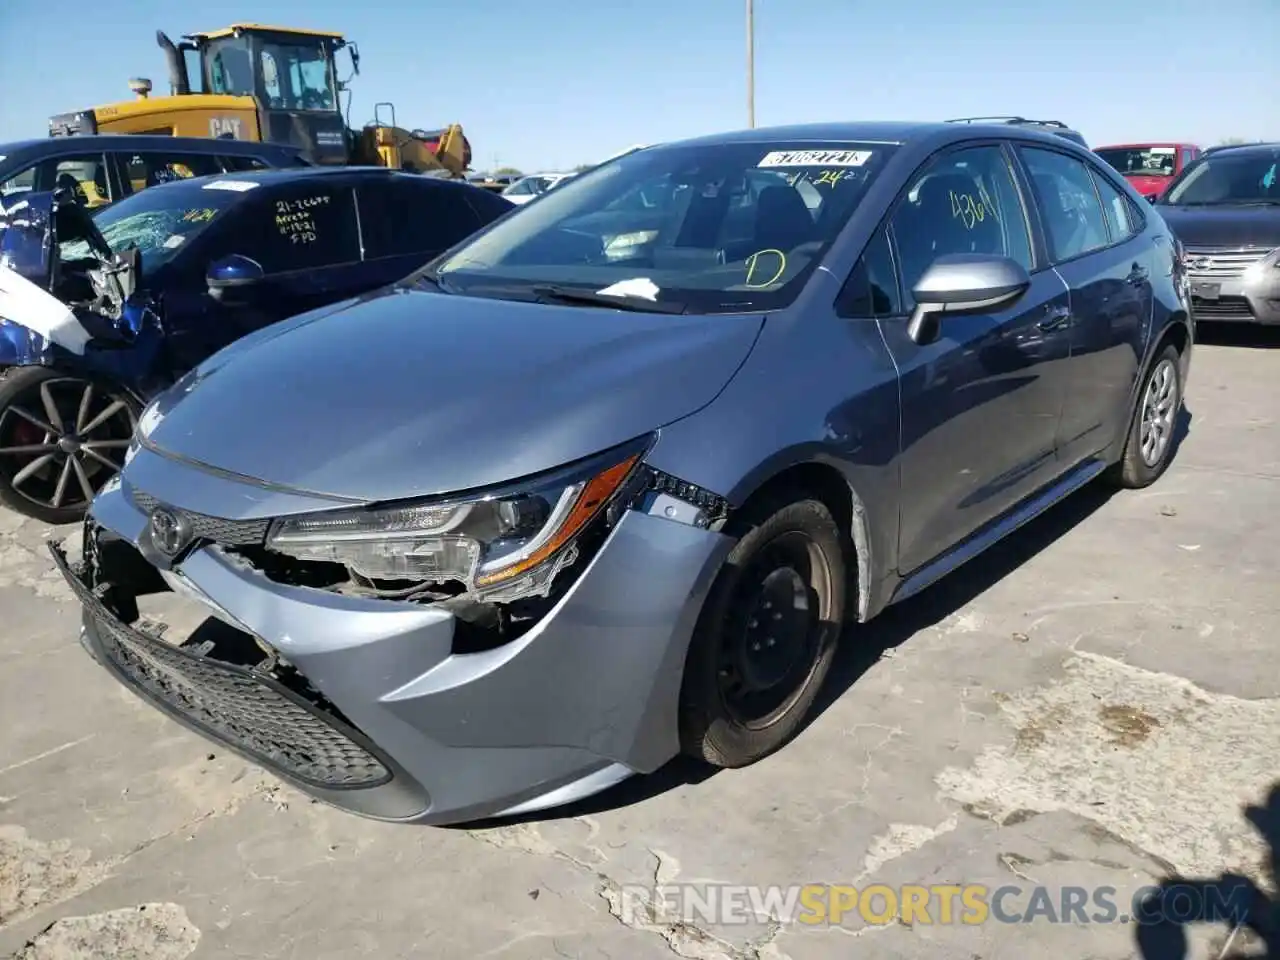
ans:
(1200, 263)
(169, 532)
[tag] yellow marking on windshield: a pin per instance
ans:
(987, 201)
(753, 262)
(967, 210)
(294, 218)
(199, 216)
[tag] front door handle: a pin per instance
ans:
(1137, 276)
(1055, 318)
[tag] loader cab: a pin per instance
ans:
(291, 74)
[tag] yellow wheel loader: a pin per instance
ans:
(276, 84)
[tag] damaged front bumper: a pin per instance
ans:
(373, 706)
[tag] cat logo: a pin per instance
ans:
(225, 128)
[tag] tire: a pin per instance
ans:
(1144, 461)
(68, 461)
(728, 654)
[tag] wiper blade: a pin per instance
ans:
(590, 297)
(427, 278)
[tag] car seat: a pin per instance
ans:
(783, 221)
(931, 226)
(71, 185)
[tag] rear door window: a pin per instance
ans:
(398, 218)
(302, 227)
(1121, 221)
(149, 169)
(241, 164)
(1069, 206)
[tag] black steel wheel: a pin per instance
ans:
(767, 635)
(61, 438)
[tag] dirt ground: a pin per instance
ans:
(1094, 704)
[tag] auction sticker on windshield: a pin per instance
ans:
(815, 158)
(239, 186)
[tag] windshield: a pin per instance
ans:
(159, 221)
(1251, 176)
(296, 76)
(715, 228)
(527, 186)
(1146, 161)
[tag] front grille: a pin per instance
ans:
(1228, 308)
(252, 713)
(231, 533)
(1221, 263)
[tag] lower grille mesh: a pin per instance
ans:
(1228, 308)
(255, 714)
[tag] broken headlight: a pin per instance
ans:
(501, 544)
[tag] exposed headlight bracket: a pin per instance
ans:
(662, 495)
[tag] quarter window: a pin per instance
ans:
(397, 219)
(964, 202)
(1116, 207)
(1069, 206)
(872, 289)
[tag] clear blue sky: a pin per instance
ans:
(554, 83)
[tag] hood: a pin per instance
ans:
(410, 393)
(1224, 226)
(1147, 183)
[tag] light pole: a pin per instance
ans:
(751, 64)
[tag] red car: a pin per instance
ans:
(1150, 167)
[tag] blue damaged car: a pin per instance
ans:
(100, 311)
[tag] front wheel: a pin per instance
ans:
(1149, 446)
(766, 637)
(61, 438)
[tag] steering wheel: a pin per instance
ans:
(314, 100)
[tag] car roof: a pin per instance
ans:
(39, 148)
(1145, 143)
(285, 175)
(1246, 148)
(897, 133)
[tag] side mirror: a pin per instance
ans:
(961, 283)
(231, 275)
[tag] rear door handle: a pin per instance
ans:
(1138, 275)
(1055, 319)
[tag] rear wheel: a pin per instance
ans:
(767, 635)
(1149, 446)
(61, 438)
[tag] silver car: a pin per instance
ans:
(607, 482)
